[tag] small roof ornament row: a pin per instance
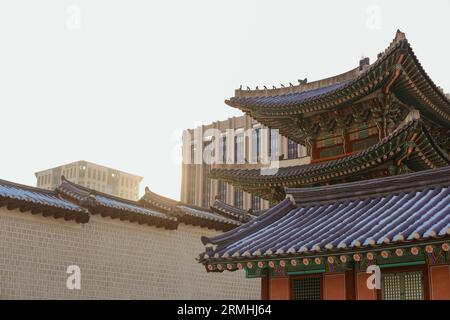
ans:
(331, 259)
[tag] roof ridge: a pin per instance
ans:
(373, 187)
(93, 192)
(169, 201)
(305, 86)
(28, 187)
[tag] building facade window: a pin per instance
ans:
(222, 191)
(192, 175)
(256, 203)
(256, 145)
(274, 138)
(239, 140)
(223, 149)
(238, 198)
(206, 193)
(292, 149)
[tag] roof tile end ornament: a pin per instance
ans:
(291, 198)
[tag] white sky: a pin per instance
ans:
(118, 90)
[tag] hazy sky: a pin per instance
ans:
(120, 85)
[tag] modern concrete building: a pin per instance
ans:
(238, 142)
(94, 176)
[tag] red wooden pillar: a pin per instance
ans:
(334, 286)
(439, 282)
(362, 291)
(265, 287)
(279, 288)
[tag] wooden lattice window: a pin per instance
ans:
(308, 288)
(402, 286)
(363, 137)
(330, 145)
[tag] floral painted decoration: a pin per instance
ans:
(414, 251)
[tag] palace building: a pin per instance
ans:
(375, 193)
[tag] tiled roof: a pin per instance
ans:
(159, 202)
(37, 200)
(301, 112)
(425, 155)
(379, 212)
(201, 216)
(189, 214)
(233, 212)
(290, 98)
(114, 207)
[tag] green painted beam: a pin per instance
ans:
(306, 272)
(401, 264)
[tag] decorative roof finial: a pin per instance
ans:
(399, 36)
